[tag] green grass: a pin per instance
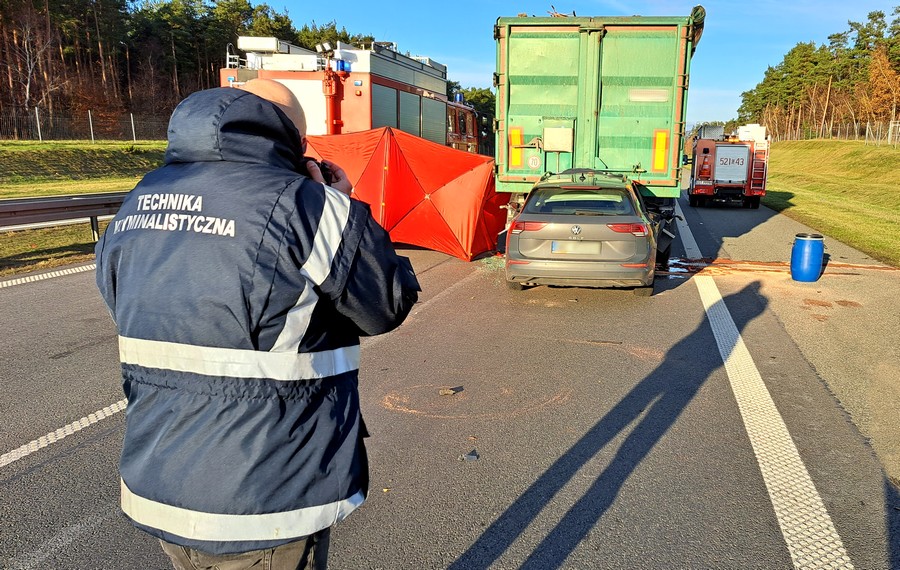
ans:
(29, 168)
(844, 189)
(34, 250)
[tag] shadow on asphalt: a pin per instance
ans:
(664, 393)
(730, 220)
(892, 522)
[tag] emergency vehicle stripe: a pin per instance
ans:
(198, 525)
(331, 226)
(238, 363)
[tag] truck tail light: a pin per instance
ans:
(639, 230)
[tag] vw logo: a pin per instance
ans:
(576, 230)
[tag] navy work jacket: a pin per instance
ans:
(240, 289)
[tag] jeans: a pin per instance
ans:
(308, 553)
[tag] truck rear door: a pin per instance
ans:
(599, 93)
(732, 163)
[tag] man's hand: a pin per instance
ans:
(339, 180)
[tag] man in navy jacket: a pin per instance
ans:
(240, 288)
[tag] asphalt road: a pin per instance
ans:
(608, 432)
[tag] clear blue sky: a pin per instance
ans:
(740, 40)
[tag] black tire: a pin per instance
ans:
(692, 200)
(515, 286)
(754, 202)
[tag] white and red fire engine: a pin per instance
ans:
(345, 89)
(729, 167)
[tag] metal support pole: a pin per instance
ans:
(95, 228)
(133, 135)
(91, 125)
(37, 121)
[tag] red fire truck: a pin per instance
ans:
(345, 89)
(729, 167)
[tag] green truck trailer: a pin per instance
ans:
(600, 93)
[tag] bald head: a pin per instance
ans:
(277, 93)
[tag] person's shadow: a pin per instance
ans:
(664, 394)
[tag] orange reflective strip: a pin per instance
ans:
(516, 138)
(660, 151)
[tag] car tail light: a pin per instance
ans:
(639, 230)
(519, 227)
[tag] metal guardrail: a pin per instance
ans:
(18, 211)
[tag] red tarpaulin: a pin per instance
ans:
(421, 192)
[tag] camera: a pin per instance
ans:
(323, 168)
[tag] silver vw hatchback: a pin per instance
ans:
(583, 229)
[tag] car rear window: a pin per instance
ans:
(596, 202)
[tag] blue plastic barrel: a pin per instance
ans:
(807, 257)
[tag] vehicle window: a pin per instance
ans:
(559, 201)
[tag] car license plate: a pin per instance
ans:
(579, 247)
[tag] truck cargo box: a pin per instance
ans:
(604, 93)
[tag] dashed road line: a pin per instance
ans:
(50, 275)
(65, 431)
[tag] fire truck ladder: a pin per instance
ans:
(760, 165)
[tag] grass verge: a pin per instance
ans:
(843, 189)
(36, 250)
(29, 168)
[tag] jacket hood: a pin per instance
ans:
(228, 124)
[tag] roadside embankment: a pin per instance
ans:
(845, 189)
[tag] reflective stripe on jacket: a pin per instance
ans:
(240, 289)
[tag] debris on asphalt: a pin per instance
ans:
(471, 456)
(450, 391)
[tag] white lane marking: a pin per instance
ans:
(61, 540)
(59, 434)
(691, 251)
(807, 529)
(50, 275)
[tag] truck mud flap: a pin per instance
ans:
(667, 234)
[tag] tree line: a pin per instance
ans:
(854, 79)
(115, 56)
